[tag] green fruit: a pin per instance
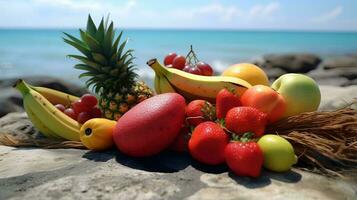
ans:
(301, 93)
(278, 153)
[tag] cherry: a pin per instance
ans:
(179, 62)
(169, 58)
(83, 117)
(96, 112)
(70, 113)
(60, 107)
(89, 100)
(205, 68)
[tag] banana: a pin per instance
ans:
(55, 96)
(165, 86)
(55, 120)
(193, 86)
(157, 84)
(38, 124)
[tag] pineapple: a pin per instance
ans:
(109, 68)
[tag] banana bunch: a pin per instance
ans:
(39, 106)
(193, 86)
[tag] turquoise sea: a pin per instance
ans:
(43, 52)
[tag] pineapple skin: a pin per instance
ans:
(115, 105)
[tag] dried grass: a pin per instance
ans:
(324, 141)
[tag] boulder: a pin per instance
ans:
(291, 63)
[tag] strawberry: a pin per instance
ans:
(246, 119)
(244, 158)
(225, 100)
(198, 111)
(180, 144)
(208, 142)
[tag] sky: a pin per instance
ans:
(329, 15)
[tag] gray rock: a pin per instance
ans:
(81, 174)
(291, 63)
(18, 125)
(341, 62)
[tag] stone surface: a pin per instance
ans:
(291, 63)
(30, 173)
(80, 174)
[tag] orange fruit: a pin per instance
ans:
(97, 134)
(248, 72)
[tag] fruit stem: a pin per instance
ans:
(192, 57)
(157, 67)
(21, 86)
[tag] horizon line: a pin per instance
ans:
(191, 29)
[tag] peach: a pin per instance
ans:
(266, 100)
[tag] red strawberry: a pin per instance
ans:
(246, 119)
(244, 158)
(181, 142)
(208, 142)
(225, 101)
(199, 111)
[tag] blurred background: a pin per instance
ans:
(316, 37)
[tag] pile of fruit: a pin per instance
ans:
(217, 119)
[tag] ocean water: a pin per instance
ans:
(43, 52)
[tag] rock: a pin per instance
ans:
(341, 62)
(18, 125)
(11, 100)
(81, 174)
(291, 63)
(333, 98)
(351, 82)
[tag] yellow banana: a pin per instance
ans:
(55, 96)
(165, 86)
(193, 86)
(56, 121)
(157, 84)
(38, 124)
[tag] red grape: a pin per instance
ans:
(83, 117)
(70, 113)
(205, 68)
(89, 100)
(169, 58)
(192, 70)
(187, 68)
(96, 112)
(79, 107)
(60, 107)
(179, 62)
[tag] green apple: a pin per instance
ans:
(301, 93)
(278, 153)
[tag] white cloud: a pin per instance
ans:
(332, 14)
(263, 11)
(228, 13)
(71, 4)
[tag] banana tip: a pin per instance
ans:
(151, 61)
(17, 82)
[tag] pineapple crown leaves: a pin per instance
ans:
(104, 59)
